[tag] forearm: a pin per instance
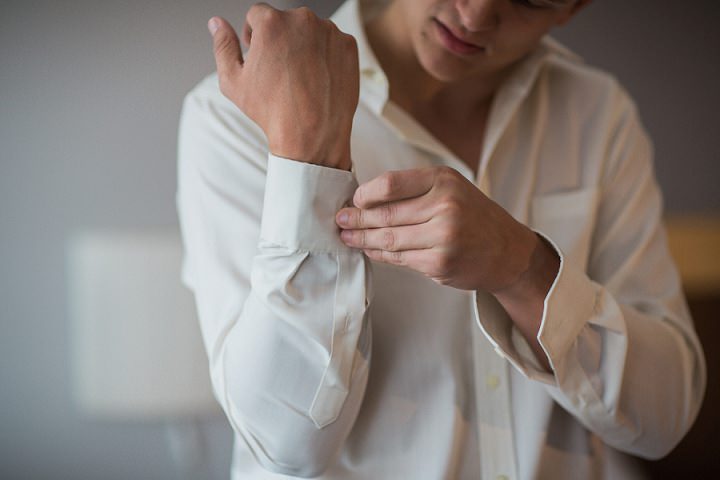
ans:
(294, 365)
(284, 319)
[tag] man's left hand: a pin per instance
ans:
(436, 222)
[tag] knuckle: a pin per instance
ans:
(360, 218)
(268, 15)
(447, 171)
(445, 175)
(349, 45)
(396, 258)
(349, 40)
(389, 240)
(362, 238)
(256, 9)
(305, 14)
(387, 214)
(448, 206)
(330, 27)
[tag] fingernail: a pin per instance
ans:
(213, 25)
(343, 218)
(345, 235)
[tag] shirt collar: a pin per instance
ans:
(374, 87)
(351, 18)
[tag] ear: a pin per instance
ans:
(572, 11)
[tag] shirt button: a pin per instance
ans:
(492, 382)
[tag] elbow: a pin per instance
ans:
(294, 467)
(292, 456)
(285, 440)
(283, 444)
(652, 444)
(677, 405)
(660, 441)
(656, 449)
(659, 444)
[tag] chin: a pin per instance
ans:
(445, 69)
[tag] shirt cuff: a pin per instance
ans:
(301, 200)
(567, 307)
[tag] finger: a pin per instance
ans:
(394, 185)
(403, 212)
(394, 239)
(226, 48)
(417, 260)
(259, 13)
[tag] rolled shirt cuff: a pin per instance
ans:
(567, 307)
(301, 200)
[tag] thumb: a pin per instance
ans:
(226, 48)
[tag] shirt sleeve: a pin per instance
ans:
(626, 361)
(281, 300)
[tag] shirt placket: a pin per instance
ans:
(497, 452)
(492, 396)
(497, 449)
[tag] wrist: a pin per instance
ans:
(302, 148)
(524, 299)
(535, 281)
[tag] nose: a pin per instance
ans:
(478, 15)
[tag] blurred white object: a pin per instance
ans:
(136, 342)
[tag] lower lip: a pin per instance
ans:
(454, 44)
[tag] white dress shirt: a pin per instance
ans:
(329, 365)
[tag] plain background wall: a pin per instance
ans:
(90, 94)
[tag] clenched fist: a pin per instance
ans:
(299, 81)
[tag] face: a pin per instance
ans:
(456, 39)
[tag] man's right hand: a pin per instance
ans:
(299, 81)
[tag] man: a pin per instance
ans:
(430, 247)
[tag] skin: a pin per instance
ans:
(430, 220)
(447, 92)
(297, 66)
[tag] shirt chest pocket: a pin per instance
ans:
(568, 219)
